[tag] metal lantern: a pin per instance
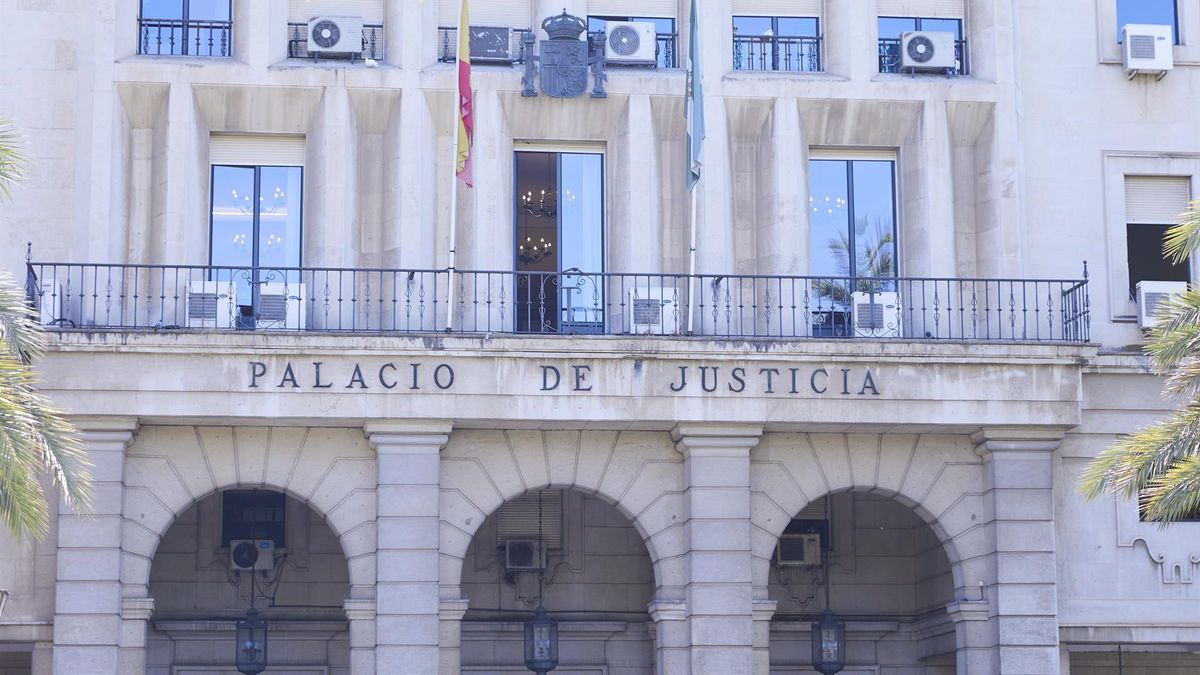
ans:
(828, 644)
(250, 650)
(541, 642)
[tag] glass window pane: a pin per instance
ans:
(943, 25)
(752, 25)
(162, 9)
(829, 215)
(661, 25)
(1160, 12)
(279, 203)
(581, 222)
(893, 26)
(793, 26)
(232, 235)
(874, 219)
(208, 10)
(1145, 257)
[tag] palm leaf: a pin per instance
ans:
(12, 163)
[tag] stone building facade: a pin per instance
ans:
(408, 433)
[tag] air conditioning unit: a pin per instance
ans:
(1147, 48)
(211, 304)
(876, 314)
(1150, 294)
(632, 43)
(491, 44)
(246, 555)
(524, 555)
(335, 34)
(653, 310)
(798, 550)
(50, 302)
(928, 50)
(281, 306)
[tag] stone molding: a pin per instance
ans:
(1017, 439)
(397, 434)
(137, 608)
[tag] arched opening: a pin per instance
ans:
(299, 586)
(887, 575)
(596, 579)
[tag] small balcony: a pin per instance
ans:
(889, 57)
(181, 37)
(666, 50)
(499, 54)
(372, 42)
(777, 52)
(122, 297)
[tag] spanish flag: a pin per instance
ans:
(465, 116)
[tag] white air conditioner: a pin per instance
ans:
(653, 310)
(927, 50)
(631, 42)
(50, 302)
(524, 555)
(1150, 294)
(1147, 48)
(876, 314)
(491, 44)
(281, 306)
(799, 550)
(251, 555)
(211, 304)
(335, 34)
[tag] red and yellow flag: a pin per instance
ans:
(465, 116)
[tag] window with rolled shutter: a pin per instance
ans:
(941, 9)
(504, 13)
(256, 150)
(1152, 205)
(518, 518)
(371, 11)
(777, 8)
(663, 8)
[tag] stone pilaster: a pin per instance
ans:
(407, 623)
(42, 660)
(719, 593)
(670, 636)
(1022, 633)
(450, 615)
(135, 620)
(763, 611)
(87, 606)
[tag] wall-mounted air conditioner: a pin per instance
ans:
(875, 314)
(524, 555)
(798, 550)
(211, 304)
(1150, 294)
(335, 34)
(247, 555)
(631, 42)
(281, 306)
(1147, 48)
(491, 44)
(928, 50)
(653, 310)
(50, 302)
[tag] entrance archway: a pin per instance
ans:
(595, 578)
(198, 594)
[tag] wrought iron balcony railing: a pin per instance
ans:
(448, 47)
(777, 52)
(889, 57)
(665, 51)
(178, 37)
(372, 42)
(185, 297)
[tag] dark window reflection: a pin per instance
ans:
(1161, 12)
(1146, 259)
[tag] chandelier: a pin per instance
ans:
(531, 252)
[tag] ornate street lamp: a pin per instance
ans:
(828, 643)
(251, 646)
(541, 642)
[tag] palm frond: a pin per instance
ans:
(1131, 464)
(12, 162)
(1184, 238)
(1174, 495)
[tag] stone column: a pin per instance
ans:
(360, 612)
(135, 621)
(87, 603)
(763, 611)
(671, 641)
(406, 594)
(719, 594)
(1022, 634)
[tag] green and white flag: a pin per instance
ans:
(695, 104)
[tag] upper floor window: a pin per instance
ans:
(253, 514)
(1152, 206)
(893, 28)
(852, 235)
(335, 29)
(664, 27)
(790, 43)
(184, 27)
(1158, 12)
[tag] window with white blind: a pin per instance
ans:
(1152, 206)
(502, 13)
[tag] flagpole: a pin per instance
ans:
(691, 320)
(453, 208)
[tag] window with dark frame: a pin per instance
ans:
(1152, 206)
(782, 43)
(663, 26)
(892, 28)
(1153, 12)
(253, 514)
(184, 27)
